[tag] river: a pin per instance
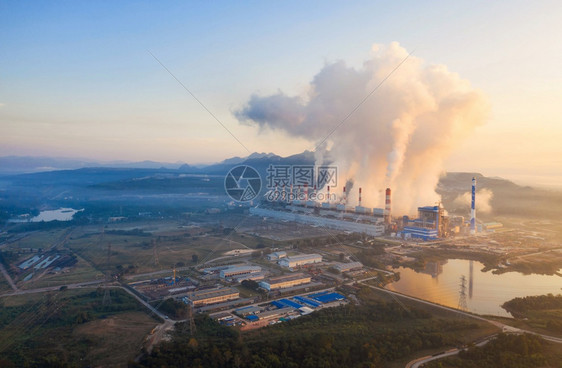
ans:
(484, 292)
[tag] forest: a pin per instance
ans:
(505, 351)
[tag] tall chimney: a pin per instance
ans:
(359, 197)
(387, 207)
(473, 208)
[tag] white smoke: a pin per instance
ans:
(483, 200)
(398, 138)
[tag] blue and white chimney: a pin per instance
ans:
(473, 208)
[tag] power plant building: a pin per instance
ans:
(281, 282)
(373, 229)
(212, 296)
(295, 261)
(430, 224)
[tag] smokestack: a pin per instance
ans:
(359, 197)
(305, 194)
(328, 194)
(387, 207)
(473, 208)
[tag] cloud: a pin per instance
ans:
(398, 138)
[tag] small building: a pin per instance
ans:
(275, 256)
(276, 313)
(281, 282)
(211, 296)
(237, 271)
(295, 261)
(346, 267)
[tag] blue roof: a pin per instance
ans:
(329, 297)
(278, 304)
(428, 208)
(252, 318)
(307, 301)
(283, 303)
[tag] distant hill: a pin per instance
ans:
(156, 179)
(11, 165)
(508, 198)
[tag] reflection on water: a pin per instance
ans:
(441, 283)
(433, 268)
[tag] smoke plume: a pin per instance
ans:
(483, 201)
(398, 138)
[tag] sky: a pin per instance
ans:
(77, 78)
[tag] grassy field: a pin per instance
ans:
(4, 286)
(117, 338)
(153, 252)
(41, 239)
(70, 326)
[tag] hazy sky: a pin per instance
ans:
(76, 79)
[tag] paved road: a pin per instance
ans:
(53, 288)
(421, 361)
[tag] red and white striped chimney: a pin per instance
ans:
(359, 197)
(387, 207)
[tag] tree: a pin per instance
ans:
(194, 258)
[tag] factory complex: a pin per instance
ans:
(432, 222)
(253, 290)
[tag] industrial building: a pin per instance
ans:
(281, 282)
(211, 296)
(217, 269)
(275, 256)
(431, 224)
(249, 310)
(276, 313)
(346, 267)
(237, 271)
(247, 276)
(295, 261)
